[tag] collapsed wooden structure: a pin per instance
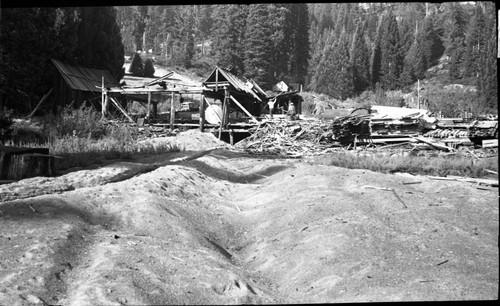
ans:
(227, 103)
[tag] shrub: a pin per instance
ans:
(137, 67)
(149, 69)
(83, 122)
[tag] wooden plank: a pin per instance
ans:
(148, 111)
(202, 113)
(490, 143)
(244, 109)
(435, 145)
(120, 108)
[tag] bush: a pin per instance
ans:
(149, 69)
(83, 122)
(137, 67)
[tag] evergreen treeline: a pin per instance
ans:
(393, 45)
(30, 37)
(267, 42)
(339, 49)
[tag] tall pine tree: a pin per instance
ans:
(99, 40)
(391, 62)
(258, 45)
(227, 39)
(454, 40)
(360, 60)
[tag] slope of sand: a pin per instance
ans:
(213, 226)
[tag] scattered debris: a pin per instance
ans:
(288, 138)
(487, 182)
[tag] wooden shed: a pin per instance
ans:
(76, 85)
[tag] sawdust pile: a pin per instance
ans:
(190, 140)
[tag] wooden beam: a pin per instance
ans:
(103, 96)
(39, 103)
(148, 111)
(216, 80)
(202, 113)
(225, 114)
(120, 108)
(172, 111)
(244, 109)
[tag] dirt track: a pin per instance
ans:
(216, 227)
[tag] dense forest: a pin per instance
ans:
(338, 49)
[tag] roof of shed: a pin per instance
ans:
(85, 79)
(239, 83)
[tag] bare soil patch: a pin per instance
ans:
(213, 226)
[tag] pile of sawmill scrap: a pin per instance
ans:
(484, 129)
(156, 131)
(288, 138)
(351, 129)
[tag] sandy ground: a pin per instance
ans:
(210, 225)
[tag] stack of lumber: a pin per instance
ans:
(447, 133)
(288, 138)
(349, 128)
(484, 129)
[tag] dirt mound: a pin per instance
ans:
(218, 227)
(190, 140)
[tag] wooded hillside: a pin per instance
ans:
(338, 49)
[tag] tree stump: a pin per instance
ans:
(17, 163)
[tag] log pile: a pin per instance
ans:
(350, 128)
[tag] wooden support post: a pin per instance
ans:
(231, 137)
(172, 111)
(217, 80)
(155, 109)
(103, 96)
(202, 113)
(226, 111)
(148, 111)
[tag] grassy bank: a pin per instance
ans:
(459, 165)
(80, 138)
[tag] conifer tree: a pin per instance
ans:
(390, 50)
(360, 60)
(99, 40)
(258, 45)
(227, 42)
(149, 69)
(454, 40)
(299, 36)
(137, 66)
